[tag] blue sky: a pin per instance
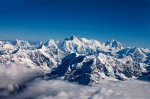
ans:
(127, 21)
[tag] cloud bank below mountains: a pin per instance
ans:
(56, 89)
(14, 75)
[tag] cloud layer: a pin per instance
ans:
(56, 89)
(14, 75)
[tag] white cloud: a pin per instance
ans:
(13, 74)
(56, 89)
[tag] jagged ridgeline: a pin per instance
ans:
(79, 59)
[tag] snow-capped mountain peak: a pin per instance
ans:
(21, 43)
(51, 43)
(114, 44)
(71, 38)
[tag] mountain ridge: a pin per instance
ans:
(78, 59)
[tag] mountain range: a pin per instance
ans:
(79, 59)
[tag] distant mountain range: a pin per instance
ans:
(79, 59)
